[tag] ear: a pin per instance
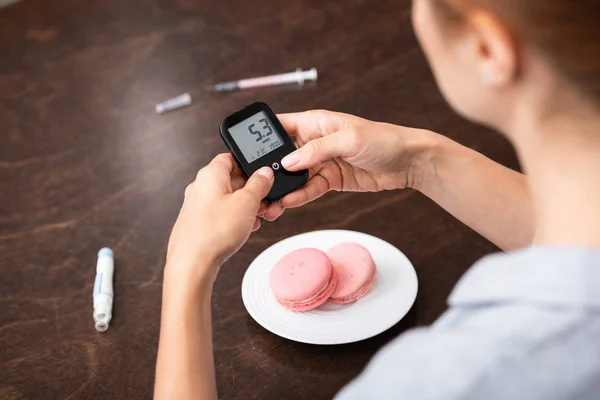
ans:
(496, 52)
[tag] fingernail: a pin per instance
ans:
(266, 172)
(290, 160)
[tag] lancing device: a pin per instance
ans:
(103, 289)
(256, 138)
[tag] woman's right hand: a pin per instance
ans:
(347, 153)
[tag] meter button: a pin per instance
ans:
(275, 166)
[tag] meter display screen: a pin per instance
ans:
(255, 136)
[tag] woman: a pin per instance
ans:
(521, 325)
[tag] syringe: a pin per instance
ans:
(298, 77)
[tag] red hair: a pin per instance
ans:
(567, 32)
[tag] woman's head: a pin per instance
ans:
(492, 57)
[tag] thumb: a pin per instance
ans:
(259, 184)
(338, 144)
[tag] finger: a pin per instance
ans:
(262, 208)
(224, 162)
(237, 182)
(343, 143)
(258, 186)
(237, 170)
(274, 211)
(256, 225)
(312, 124)
(217, 174)
(312, 190)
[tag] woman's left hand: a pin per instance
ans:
(219, 212)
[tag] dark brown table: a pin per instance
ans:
(85, 162)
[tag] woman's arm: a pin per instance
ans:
(348, 153)
(488, 197)
(219, 212)
(185, 366)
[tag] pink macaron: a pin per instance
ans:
(355, 270)
(303, 279)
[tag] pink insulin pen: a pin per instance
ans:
(298, 77)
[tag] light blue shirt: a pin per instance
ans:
(523, 325)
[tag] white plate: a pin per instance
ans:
(391, 297)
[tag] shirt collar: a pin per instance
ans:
(555, 276)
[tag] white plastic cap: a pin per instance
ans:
(102, 323)
(303, 76)
(311, 74)
(102, 312)
(174, 103)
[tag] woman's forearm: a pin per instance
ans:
(488, 197)
(185, 366)
(196, 250)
